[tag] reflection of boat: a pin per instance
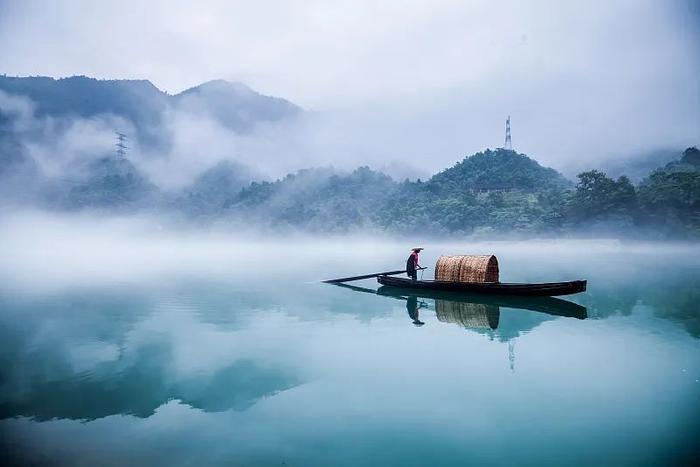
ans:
(501, 288)
(482, 312)
(469, 315)
(549, 305)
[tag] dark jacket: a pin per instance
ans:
(411, 263)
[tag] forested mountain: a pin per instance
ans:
(501, 169)
(491, 193)
(540, 201)
(11, 152)
(234, 105)
(15, 168)
(317, 200)
(483, 191)
(39, 111)
(110, 182)
(497, 190)
(137, 100)
(213, 188)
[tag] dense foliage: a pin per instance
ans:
(670, 197)
(490, 193)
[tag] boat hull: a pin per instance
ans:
(548, 289)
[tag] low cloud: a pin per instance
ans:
(420, 84)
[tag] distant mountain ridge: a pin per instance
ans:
(638, 167)
(234, 105)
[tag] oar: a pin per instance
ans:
(366, 276)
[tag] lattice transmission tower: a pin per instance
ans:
(508, 144)
(121, 147)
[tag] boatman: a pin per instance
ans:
(412, 265)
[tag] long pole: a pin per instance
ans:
(366, 276)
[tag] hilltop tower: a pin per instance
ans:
(508, 144)
(121, 147)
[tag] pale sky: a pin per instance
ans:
(427, 81)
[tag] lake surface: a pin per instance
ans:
(216, 352)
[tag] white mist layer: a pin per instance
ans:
(46, 251)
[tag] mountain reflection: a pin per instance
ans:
(82, 362)
(140, 389)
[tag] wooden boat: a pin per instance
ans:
(547, 289)
(471, 274)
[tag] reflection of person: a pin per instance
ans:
(412, 265)
(412, 307)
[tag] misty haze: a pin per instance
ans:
(349, 233)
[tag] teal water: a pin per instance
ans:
(243, 362)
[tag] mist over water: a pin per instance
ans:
(123, 342)
(40, 248)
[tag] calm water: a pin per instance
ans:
(194, 359)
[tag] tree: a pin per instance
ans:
(691, 156)
(600, 198)
(671, 201)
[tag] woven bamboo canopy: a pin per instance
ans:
(469, 315)
(467, 268)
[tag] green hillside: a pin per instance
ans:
(501, 169)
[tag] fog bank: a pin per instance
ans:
(42, 251)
